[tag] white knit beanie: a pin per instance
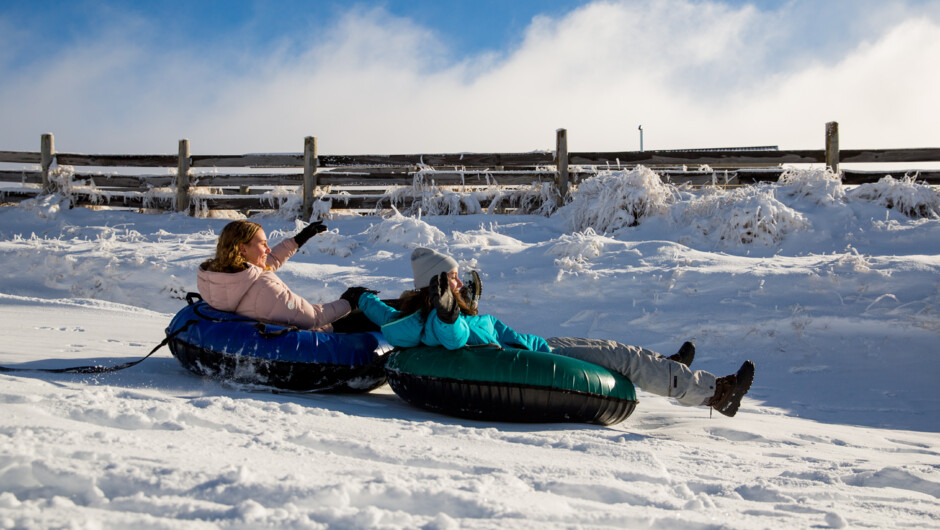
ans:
(427, 264)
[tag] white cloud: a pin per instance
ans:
(695, 74)
(883, 94)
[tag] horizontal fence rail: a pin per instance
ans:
(323, 182)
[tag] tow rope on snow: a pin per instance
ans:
(100, 369)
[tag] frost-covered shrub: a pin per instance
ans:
(45, 206)
(615, 200)
(429, 199)
(489, 238)
(744, 216)
(819, 185)
(574, 252)
(63, 180)
(409, 232)
(288, 201)
(425, 197)
(449, 203)
(540, 198)
(65, 185)
(332, 242)
(904, 195)
(579, 245)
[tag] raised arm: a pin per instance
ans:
(274, 302)
(376, 310)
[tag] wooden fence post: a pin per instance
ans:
(310, 176)
(182, 177)
(48, 153)
(832, 146)
(561, 161)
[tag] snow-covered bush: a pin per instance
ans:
(288, 201)
(425, 197)
(63, 180)
(449, 203)
(45, 206)
(540, 198)
(819, 185)
(744, 216)
(904, 195)
(65, 185)
(429, 199)
(332, 242)
(580, 245)
(409, 232)
(486, 238)
(615, 200)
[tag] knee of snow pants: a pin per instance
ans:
(647, 369)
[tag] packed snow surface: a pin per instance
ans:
(832, 292)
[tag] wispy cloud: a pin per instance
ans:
(694, 73)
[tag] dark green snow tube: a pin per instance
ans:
(493, 384)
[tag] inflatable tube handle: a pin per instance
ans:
(263, 331)
(193, 298)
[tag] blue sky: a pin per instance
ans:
(465, 28)
(436, 76)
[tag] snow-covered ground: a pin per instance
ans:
(833, 293)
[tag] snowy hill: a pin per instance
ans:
(832, 292)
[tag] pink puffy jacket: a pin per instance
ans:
(261, 295)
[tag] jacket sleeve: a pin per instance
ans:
(401, 331)
(404, 332)
(277, 303)
(376, 310)
(413, 330)
(281, 253)
(451, 336)
(509, 337)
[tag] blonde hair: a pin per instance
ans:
(228, 257)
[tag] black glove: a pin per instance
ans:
(352, 295)
(443, 300)
(309, 231)
(472, 290)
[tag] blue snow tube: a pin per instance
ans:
(507, 384)
(226, 346)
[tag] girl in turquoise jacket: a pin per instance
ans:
(404, 330)
(437, 314)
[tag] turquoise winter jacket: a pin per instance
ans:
(405, 331)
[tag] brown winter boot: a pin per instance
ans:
(731, 388)
(685, 354)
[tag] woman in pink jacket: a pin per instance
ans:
(240, 279)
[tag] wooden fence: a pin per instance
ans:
(362, 182)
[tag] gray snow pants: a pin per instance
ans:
(645, 368)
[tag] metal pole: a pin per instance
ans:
(641, 137)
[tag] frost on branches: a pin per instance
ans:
(761, 214)
(751, 215)
(614, 200)
(904, 195)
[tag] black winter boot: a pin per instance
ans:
(685, 354)
(731, 388)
